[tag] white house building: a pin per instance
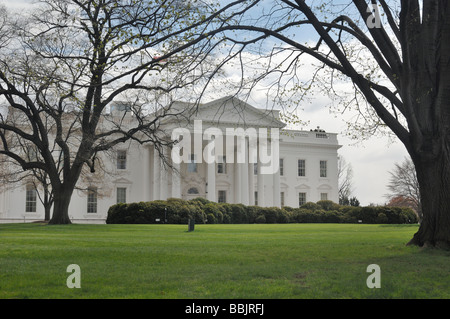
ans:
(301, 166)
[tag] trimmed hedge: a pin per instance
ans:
(178, 211)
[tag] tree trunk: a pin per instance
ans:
(47, 209)
(434, 183)
(48, 203)
(61, 204)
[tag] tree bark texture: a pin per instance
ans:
(426, 96)
(61, 204)
(434, 183)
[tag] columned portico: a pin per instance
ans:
(167, 182)
(237, 181)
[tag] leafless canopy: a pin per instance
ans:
(66, 66)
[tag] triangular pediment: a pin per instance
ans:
(233, 112)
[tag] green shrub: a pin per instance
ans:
(333, 216)
(238, 214)
(211, 219)
(328, 205)
(252, 213)
(310, 206)
(227, 219)
(212, 208)
(302, 215)
(369, 214)
(284, 217)
(382, 218)
(260, 219)
(199, 201)
(271, 214)
(178, 211)
(350, 214)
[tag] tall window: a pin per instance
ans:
(92, 200)
(323, 196)
(121, 195)
(221, 165)
(192, 165)
(222, 198)
(301, 167)
(121, 160)
(256, 198)
(281, 166)
(323, 168)
(30, 199)
(301, 199)
(255, 169)
(282, 199)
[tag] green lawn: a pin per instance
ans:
(218, 261)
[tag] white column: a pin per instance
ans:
(146, 176)
(244, 177)
(260, 182)
(276, 189)
(251, 185)
(237, 182)
(156, 174)
(211, 172)
(176, 181)
(275, 154)
(164, 183)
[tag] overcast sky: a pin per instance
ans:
(371, 159)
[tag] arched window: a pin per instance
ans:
(192, 191)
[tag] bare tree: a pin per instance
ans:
(345, 176)
(66, 64)
(395, 54)
(404, 185)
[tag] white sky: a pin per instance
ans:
(371, 160)
(15, 3)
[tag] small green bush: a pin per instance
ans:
(271, 214)
(238, 214)
(260, 219)
(310, 206)
(211, 219)
(328, 205)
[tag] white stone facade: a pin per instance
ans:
(307, 170)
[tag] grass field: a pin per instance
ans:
(218, 261)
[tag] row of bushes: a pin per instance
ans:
(178, 211)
